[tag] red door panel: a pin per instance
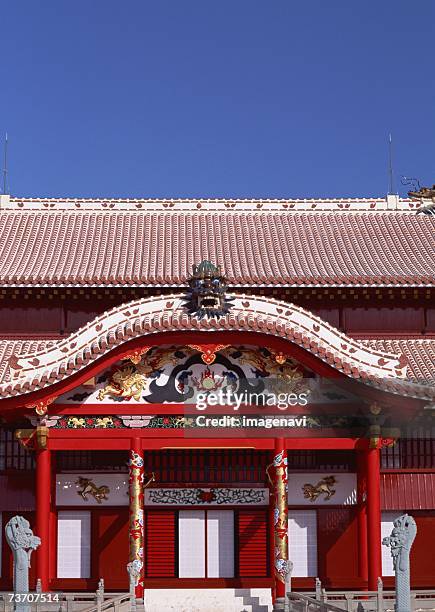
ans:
(110, 547)
(252, 543)
(422, 557)
(160, 547)
(337, 545)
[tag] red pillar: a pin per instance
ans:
(279, 516)
(136, 529)
(53, 521)
(43, 511)
(362, 517)
(374, 517)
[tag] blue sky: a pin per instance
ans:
(236, 98)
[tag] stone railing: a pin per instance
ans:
(298, 602)
(122, 603)
(78, 602)
(357, 601)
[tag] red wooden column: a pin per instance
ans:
(279, 516)
(53, 521)
(373, 517)
(136, 522)
(43, 511)
(362, 516)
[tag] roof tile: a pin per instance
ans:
(419, 353)
(254, 248)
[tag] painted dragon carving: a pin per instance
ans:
(132, 380)
(323, 487)
(281, 374)
(285, 379)
(88, 487)
(126, 382)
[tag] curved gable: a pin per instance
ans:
(143, 318)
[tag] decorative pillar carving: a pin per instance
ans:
(136, 533)
(373, 517)
(43, 512)
(278, 476)
(400, 542)
(22, 542)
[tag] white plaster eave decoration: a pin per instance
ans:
(257, 206)
(148, 316)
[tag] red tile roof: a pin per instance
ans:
(420, 355)
(9, 347)
(273, 246)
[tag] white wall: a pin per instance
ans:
(191, 541)
(302, 537)
(73, 544)
(196, 528)
(220, 543)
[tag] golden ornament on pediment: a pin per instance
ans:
(126, 382)
(131, 380)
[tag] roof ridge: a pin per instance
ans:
(181, 199)
(369, 204)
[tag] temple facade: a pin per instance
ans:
(217, 394)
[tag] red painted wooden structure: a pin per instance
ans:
(349, 296)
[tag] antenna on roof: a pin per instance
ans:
(5, 167)
(390, 165)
